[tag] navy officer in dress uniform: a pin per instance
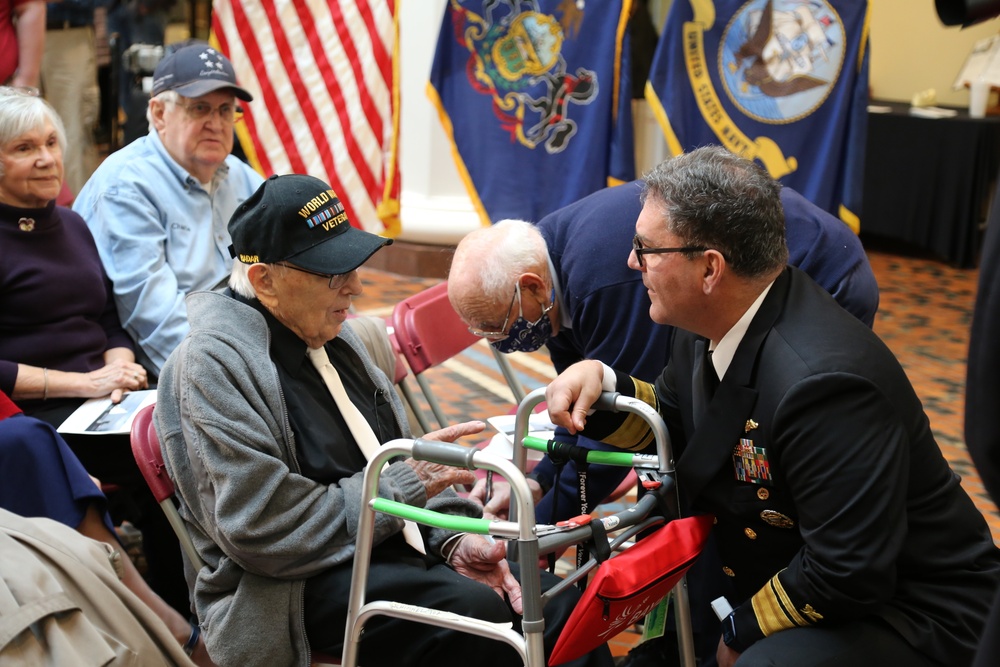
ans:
(847, 537)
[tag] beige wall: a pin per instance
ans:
(913, 51)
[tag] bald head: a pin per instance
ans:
(488, 263)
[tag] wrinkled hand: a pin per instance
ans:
(498, 506)
(455, 431)
(116, 378)
(437, 477)
(571, 394)
(726, 656)
(481, 560)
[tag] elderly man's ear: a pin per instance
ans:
(262, 278)
(532, 283)
(156, 111)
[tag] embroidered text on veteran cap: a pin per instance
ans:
(196, 70)
(299, 219)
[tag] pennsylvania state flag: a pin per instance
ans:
(536, 98)
(784, 82)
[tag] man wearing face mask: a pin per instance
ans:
(564, 283)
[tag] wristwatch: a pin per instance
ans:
(729, 632)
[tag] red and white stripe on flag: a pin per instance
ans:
(324, 77)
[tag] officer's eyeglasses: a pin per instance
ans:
(641, 250)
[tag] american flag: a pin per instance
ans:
(323, 74)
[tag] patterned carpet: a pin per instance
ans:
(924, 317)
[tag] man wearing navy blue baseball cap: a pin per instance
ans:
(158, 208)
(195, 70)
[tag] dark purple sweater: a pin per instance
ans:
(56, 305)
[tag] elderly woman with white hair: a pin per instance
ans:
(61, 341)
(60, 337)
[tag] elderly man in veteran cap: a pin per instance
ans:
(158, 207)
(265, 411)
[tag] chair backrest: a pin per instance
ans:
(428, 329)
(149, 458)
(430, 332)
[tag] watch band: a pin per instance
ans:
(729, 637)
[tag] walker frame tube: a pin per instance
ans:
(529, 645)
(615, 402)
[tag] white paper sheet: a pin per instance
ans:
(99, 416)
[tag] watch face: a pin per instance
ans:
(729, 631)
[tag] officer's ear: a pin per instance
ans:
(715, 268)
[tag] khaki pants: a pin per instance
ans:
(62, 603)
(69, 82)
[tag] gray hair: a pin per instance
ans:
(22, 112)
(713, 198)
(515, 247)
(239, 278)
(167, 96)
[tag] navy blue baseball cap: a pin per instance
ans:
(195, 70)
(299, 219)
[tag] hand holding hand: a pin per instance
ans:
(485, 561)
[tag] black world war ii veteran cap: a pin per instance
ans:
(196, 70)
(299, 219)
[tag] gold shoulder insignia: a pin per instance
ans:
(750, 425)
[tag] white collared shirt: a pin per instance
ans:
(724, 351)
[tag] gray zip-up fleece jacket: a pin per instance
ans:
(259, 525)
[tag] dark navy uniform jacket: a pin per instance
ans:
(833, 500)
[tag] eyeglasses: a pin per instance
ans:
(228, 113)
(640, 250)
(506, 321)
(337, 280)
(500, 335)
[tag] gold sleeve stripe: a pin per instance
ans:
(774, 609)
(634, 434)
(646, 393)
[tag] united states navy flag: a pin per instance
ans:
(535, 97)
(784, 82)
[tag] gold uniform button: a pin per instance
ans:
(763, 493)
(729, 572)
(751, 533)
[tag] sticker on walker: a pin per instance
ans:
(750, 463)
(656, 620)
